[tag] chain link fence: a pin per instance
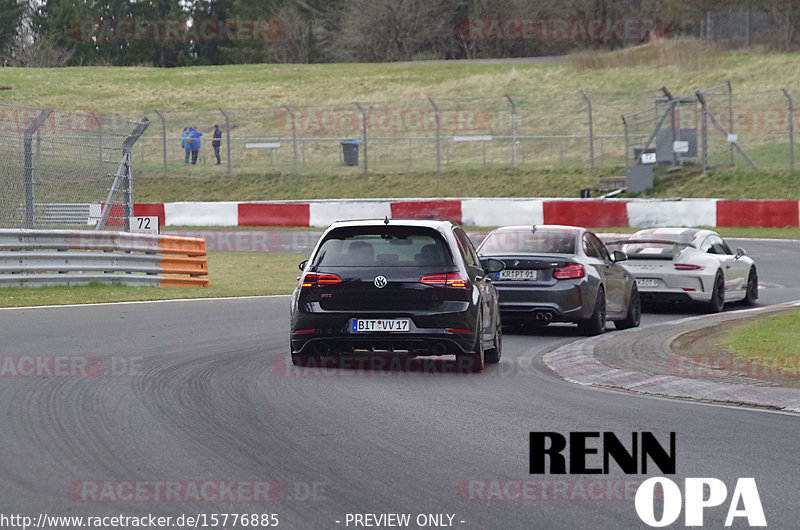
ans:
(65, 169)
(581, 130)
(776, 29)
(54, 165)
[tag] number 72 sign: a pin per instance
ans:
(144, 224)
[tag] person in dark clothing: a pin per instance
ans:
(194, 138)
(215, 143)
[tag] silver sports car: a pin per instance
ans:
(689, 264)
(561, 274)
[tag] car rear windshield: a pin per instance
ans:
(658, 243)
(390, 246)
(528, 241)
(684, 236)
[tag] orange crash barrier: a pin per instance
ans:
(189, 268)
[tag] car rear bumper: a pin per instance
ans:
(564, 302)
(673, 295)
(330, 332)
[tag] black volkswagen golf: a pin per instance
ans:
(396, 287)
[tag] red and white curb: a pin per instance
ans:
(576, 363)
(642, 213)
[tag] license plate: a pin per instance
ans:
(646, 282)
(394, 325)
(516, 275)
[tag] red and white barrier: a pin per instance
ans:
(640, 213)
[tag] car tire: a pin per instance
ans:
(634, 315)
(492, 356)
(717, 301)
(751, 295)
(596, 324)
(473, 362)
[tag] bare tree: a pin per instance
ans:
(392, 30)
(38, 52)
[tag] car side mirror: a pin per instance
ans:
(618, 256)
(491, 265)
(302, 265)
(739, 253)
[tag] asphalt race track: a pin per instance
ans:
(202, 391)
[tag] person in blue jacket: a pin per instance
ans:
(194, 141)
(185, 144)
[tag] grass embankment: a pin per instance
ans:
(557, 182)
(500, 183)
(770, 343)
(231, 274)
(684, 65)
(548, 100)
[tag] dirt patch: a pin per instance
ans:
(702, 354)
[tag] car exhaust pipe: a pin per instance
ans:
(539, 315)
(548, 316)
(322, 348)
(439, 348)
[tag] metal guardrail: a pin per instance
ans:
(37, 258)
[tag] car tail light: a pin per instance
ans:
(313, 278)
(458, 330)
(444, 280)
(305, 331)
(571, 271)
(688, 267)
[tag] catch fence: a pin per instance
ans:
(65, 169)
(583, 129)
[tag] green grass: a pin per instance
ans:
(770, 341)
(546, 94)
(230, 274)
(730, 183)
(496, 183)
(684, 65)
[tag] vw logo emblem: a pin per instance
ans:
(380, 282)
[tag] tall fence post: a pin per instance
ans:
(30, 191)
(163, 138)
(730, 113)
(513, 124)
(124, 174)
(295, 164)
(791, 129)
(704, 129)
(99, 143)
(627, 141)
(227, 138)
(672, 125)
(591, 128)
(127, 149)
(363, 131)
(438, 135)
